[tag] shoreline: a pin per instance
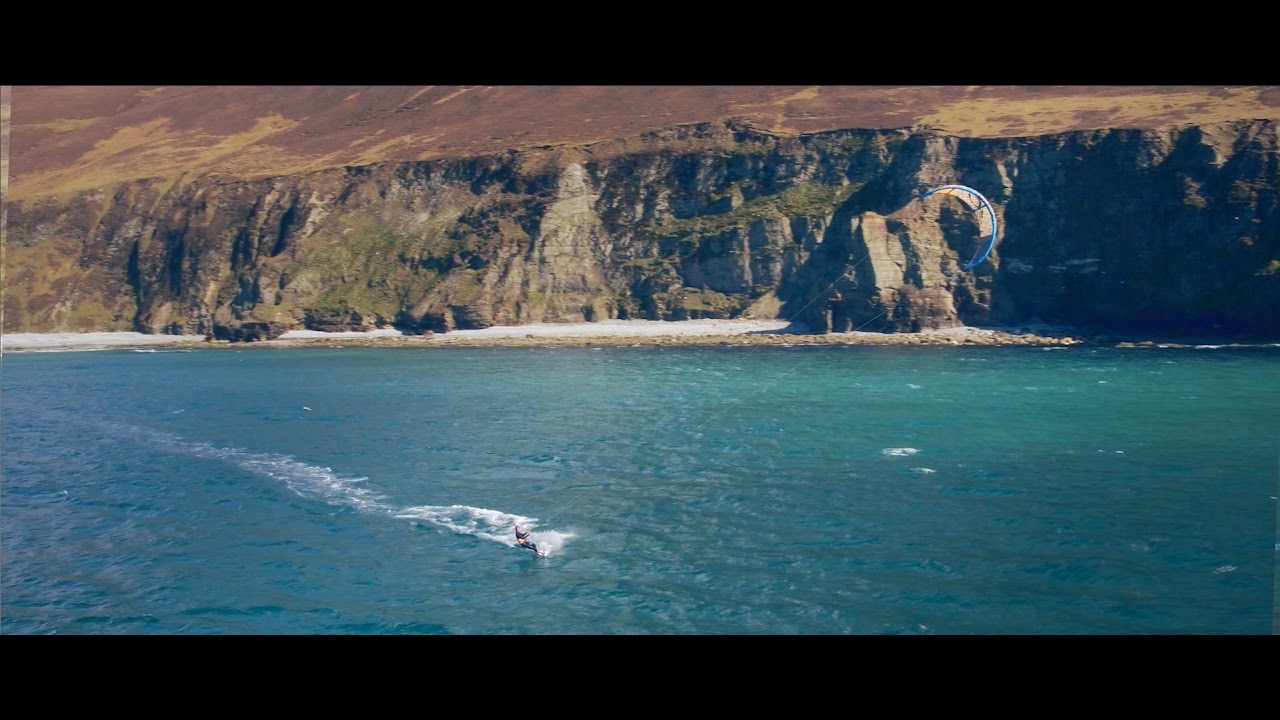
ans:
(614, 333)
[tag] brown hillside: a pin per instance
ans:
(69, 138)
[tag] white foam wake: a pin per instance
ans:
(324, 484)
(485, 523)
(309, 481)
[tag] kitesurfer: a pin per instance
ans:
(522, 539)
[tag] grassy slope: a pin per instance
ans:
(71, 138)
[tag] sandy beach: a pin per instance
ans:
(613, 332)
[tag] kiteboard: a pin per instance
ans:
(539, 553)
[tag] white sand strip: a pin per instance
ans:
(611, 328)
(89, 340)
(630, 328)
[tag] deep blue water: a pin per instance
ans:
(718, 490)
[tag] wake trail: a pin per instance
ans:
(319, 483)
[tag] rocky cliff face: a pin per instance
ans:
(1174, 231)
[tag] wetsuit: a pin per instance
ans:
(522, 538)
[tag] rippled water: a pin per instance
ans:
(716, 490)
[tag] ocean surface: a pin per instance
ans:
(748, 490)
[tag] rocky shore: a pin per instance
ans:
(630, 333)
(612, 334)
(776, 339)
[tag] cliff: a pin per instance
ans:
(1173, 231)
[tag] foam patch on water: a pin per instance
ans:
(900, 452)
(924, 470)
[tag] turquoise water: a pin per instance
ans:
(717, 490)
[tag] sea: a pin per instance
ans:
(717, 490)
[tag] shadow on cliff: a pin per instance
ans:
(826, 293)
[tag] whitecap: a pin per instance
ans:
(900, 452)
(923, 470)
